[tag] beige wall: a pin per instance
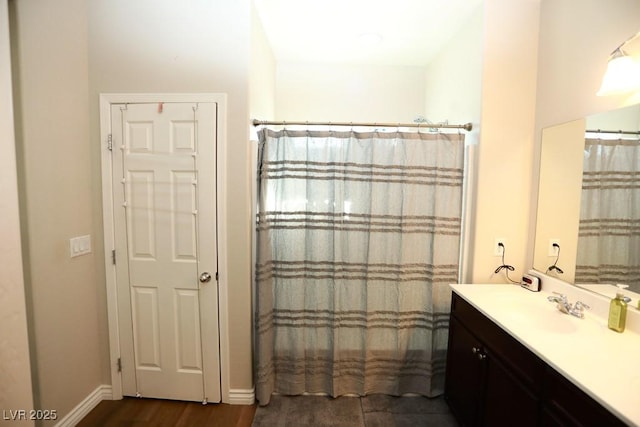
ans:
(575, 42)
(52, 129)
(67, 52)
(151, 46)
(15, 367)
(573, 57)
(506, 136)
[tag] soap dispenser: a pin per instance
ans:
(618, 311)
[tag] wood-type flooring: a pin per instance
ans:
(132, 412)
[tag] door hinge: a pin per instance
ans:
(119, 364)
(110, 142)
(113, 256)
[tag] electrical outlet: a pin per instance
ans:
(553, 251)
(497, 249)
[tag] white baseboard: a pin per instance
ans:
(242, 396)
(101, 393)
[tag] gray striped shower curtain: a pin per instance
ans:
(358, 237)
(609, 228)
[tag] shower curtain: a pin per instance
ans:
(358, 237)
(608, 237)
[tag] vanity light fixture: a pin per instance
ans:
(623, 71)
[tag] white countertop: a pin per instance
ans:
(601, 362)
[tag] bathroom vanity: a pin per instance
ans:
(514, 359)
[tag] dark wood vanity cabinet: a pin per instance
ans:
(493, 380)
(567, 405)
(465, 381)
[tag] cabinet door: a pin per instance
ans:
(465, 375)
(507, 402)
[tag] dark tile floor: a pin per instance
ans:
(369, 411)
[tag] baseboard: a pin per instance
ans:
(242, 396)
(101, 393)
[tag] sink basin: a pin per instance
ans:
(530, 313)
(533, 312)
(552, 321)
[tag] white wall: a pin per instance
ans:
(623, 118)
(262, 80)
(453, 89)
(15, 361)
(341, 92)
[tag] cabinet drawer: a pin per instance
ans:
(524, 364)
(572, 406)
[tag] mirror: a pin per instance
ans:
(588, 218)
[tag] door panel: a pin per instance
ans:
(146, 328)
(141, 221)
(187, 324)
(183, 221)
(164, 211)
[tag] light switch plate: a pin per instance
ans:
(79, 246)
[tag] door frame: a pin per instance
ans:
(106, 100)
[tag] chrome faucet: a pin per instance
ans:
(566, 307)
(561, 301)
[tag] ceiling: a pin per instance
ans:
(377, 32)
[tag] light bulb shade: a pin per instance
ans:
(622, 76)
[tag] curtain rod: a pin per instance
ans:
(623, 132)
(466, 126)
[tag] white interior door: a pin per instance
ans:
(164, 170)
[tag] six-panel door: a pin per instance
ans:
(164, 198)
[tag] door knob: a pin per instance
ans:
(205, 277)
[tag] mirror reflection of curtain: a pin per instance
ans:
(358, 237)
(609, 238)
